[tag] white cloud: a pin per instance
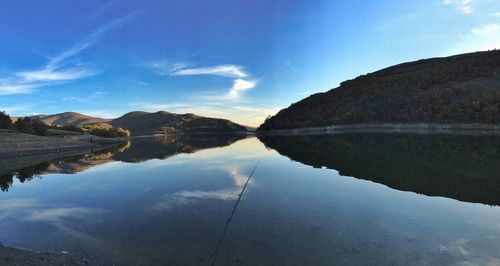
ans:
(232, 71)
(56, 214)
(51, 75)
(52, 72)
(169, 201)
(241, 85)
(486, 37)
(496, 14)
(465, 6)
(59, 68)
(165, 68)
(222, 194)
(8, 204)
(8, 89)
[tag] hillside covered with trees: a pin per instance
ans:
(458, 89)
(144, 123)
(462, 167)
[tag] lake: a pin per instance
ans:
(349, 199)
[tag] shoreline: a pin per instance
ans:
(194, 133)
(20, 150)
(16, 256)
(417, 128)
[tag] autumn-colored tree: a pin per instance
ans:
(107, 132)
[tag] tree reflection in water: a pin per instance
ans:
(466, 168)
(135, 150)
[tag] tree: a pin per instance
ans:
(122, 132)
(24, 125)
(5, 121)
(107, 132)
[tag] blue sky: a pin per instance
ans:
(242, 60)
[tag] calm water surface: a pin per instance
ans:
(378, 199)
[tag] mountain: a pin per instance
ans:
(144, 123)
(458, 89)
(69, 118)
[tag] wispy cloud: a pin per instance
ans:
(58, 68)
(58, 214)
(166, 68)
(241, 82)
(465, 6)
(186, 69)
(241, 85)
(13, 204)
(53, 75)
(232, 71)
(8, 88)
(170, 201)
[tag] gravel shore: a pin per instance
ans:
(13, 257)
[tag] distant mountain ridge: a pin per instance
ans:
(144, 123)
(69, 118)
(450, 90)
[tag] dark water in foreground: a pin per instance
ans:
(377, 199)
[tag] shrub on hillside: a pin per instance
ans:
(108, 132)
(39, 128)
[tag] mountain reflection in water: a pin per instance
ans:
(173, 210)
(132, 151)
(466, 168)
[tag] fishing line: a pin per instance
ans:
(226, 227)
